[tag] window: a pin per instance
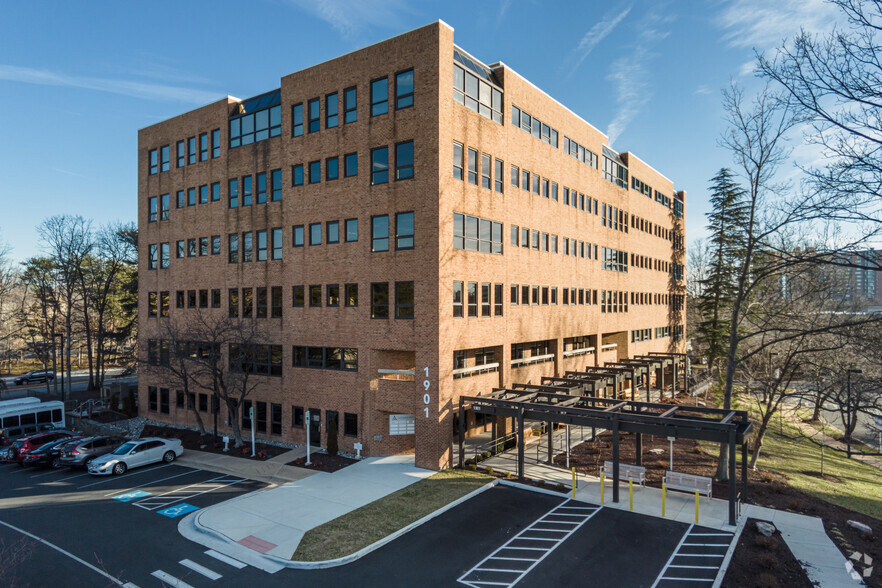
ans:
(351, 294)
(515, 233)
(350, 112)
(297, 236)
(152, 257)
(485, 171)
(350, 165)
(473, 298)
(203, 147)
(181, 199)
(234, 193)
(261, 245)
(275, 418)
(351, 230)
(246, 190)
(380, 165)
(181, 151)
(315, 119)
(163, 167)
(404, 160)
(476, 234)
(203, 298)
(332, 168)
(380, 233)
(404, 89)
(380, 300)
(262, 303)
(315, 296)
(457, 299)
(153, 161)
(215, 192)
(333, 232)
(473, 166)
(333, 292)
(457, 161)
(315, 234)
(216, 298)
(298, 296)
(404, 300)
(332, 106)
(164, 303)
(247, 303)
(297, 417)
(152, 209)
(379, 97)
(525, 180)
(152, 304)
(515, 175)
(203, 194)
(215, 143)
(277, 243)
(191, 196)
(191, 150)
(247, 247)
(329, 358)
(233, 247)
(203, 246)
(350, 424)
(261, 188)
(404, 230)
(498, 178)
(151, 398)
(276, 188)
(474, 93)
(233, 300)
(297, 120)
(297, 175)
(264, 360)
(276, 301)
(191, 299)
(497, 299)
(179, 299)
(486, 303)
(514, 294)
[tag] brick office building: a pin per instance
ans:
(403, 225)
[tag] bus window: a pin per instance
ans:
(44, 416)
(56, 415)
(10, 421)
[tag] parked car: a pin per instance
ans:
(81, 452)
(47, 455)
(132, 454)
(21, 447)
(35, 376)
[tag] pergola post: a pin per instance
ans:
(638, 437)
(661, 388)
(615, 437)
(732, 488)
(549, 426)
(461, 432)
(674, 370)
(521, 443)
(647, 383)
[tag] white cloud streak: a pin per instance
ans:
(762, 25)
(351, 17)
(594, 36)
(144, 90)
(630, 78)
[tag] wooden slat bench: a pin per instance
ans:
(626, 471)
(688, 483)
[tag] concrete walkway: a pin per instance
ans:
(272, 471)
(273, 521)
(820, 437)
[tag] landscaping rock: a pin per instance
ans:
(866, 529)
(767, 529)
(656, 451)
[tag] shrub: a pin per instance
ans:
(540, 482)
(469, 462)
(768, 561)
(485, 455)
(472, 467)
(507, 475)
(560, 487)
(490, 470)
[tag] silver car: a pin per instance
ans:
(132, 454)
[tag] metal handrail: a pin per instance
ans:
(533, 359)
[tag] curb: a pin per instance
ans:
(520, 486)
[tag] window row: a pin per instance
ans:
(260, 302)
(198, 298)
(539, 241)
(188, 152)
(256, 119)
(350, 420)
(260, 188)
(614, 218)
(490, 172)
(311, 172)
(613, 301)
(614, 260)
(614, 169)
(539, 186)
(158, 304)
(158, 208)
(534, 126)
(471, 233)
(584, 155)
(326, 358)
(158, 256)
(198, 246)
(466, 294)
(473, 89)
(201, 195)
(472, 362)
(255, 245)
(638, 335)
(312, 295)
(256, 358)
(527, 295)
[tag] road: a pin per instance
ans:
(79, 383)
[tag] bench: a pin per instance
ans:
(688, 483)
(626, 471)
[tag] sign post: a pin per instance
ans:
(251, 416)
(671, 452)
(308, 427)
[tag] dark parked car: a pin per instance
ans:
(35, 376)
(47, 455)
(24, 445)
(80, 452)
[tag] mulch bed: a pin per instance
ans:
(324, 462)
(193, 441)
(765, 488)
(763, 562)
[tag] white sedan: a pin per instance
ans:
(132, 454)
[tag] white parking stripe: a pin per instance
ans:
(169, 579)
(70, 478)
(130, 474)
(151, 482)
(210, 574)
(226, 559)
(45, 474)
(172, 496)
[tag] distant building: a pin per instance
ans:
(408, 226)
(860, 282)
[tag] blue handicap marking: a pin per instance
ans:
(178, 510)
(129, 496)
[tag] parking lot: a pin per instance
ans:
(122, 530)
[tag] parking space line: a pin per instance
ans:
(152, 482)
(172, 496)
(71, 477)
(169, 579)
(226, 559)
(473, 576)
(210, 574)
(67, 553)
(112, 478)
(45, 474)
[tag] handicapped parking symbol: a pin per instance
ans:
(178, 510)
(129, 496)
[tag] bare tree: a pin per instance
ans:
(10, 293)
(39, 314)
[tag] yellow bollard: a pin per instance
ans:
(664, 493)
(574, 483)
(696, 507)
(601, 489)
(631, 492)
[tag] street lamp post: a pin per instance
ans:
(848, 425)
(61, 336)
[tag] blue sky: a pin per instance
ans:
(78, 79)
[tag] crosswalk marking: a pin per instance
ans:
(226, 559)
(677, 570)
(173, 496)
(494, 564)
(210, 574)
(169, 579)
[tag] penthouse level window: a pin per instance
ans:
(475, 87)
(256, 119)
(614, 169)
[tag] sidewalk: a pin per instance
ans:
(273, 521)
(272, 471)
(820, 437)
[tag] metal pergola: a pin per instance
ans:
(540, 403)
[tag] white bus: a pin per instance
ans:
(25, 416)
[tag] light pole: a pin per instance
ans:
(848, 426)
(61, 336)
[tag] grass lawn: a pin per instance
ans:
(376, 520)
